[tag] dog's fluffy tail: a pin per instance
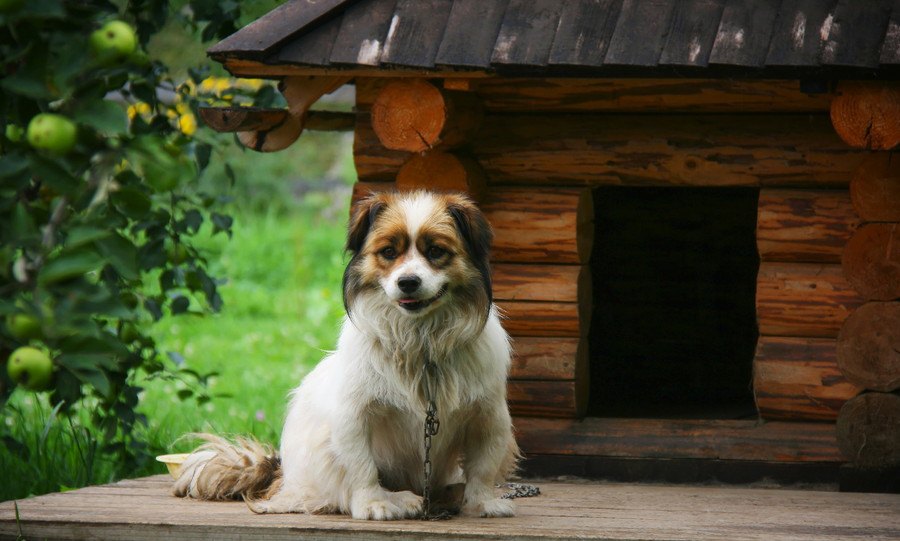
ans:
(225, 470)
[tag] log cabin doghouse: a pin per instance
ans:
(695, 202)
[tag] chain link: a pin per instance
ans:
(432, 426)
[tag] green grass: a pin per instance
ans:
(282, 311)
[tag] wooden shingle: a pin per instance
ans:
(527, 32)
(694, 26)
(640, 33)
(471, 45)
(797, 34)
(415, 33)
(856, 33)
(360, 39)
(744, 33)
(584, 31)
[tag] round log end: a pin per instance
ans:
(871, 261)
(868, 430)
(868, 348)
(443, 171)
(875, 189)
(409, 115)
(278, 138)
(867, 114)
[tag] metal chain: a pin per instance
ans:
(432, 425)
(520, 490)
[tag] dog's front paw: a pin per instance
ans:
(384, 505)
(490, 508)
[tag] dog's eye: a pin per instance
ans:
(388, 253)
(435, 252)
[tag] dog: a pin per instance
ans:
(417, 288)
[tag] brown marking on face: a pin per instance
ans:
(454, 231)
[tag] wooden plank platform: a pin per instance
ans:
(143, 509)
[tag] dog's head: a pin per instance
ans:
(419, 251)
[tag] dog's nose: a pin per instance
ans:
(409, 283)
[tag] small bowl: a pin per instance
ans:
(173, 462)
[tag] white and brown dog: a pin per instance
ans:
(418, 287)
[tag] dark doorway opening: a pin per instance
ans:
(673, 328)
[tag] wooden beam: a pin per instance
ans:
(238, 119)
(414, 115)
(875, 188)
(530, 282)
(803, 299)
(797, 379)
(644, 150)
(582, 95)
(443, 171)
(868, 346)
(675, 438)
(544, 358)
(804, 226)
(871, 261)
(542, 398)
(868, 430)
(867, 114)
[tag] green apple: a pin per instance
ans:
(23, 326)
(114, 42)
(14, 133)
(31, 368)
(49, 131)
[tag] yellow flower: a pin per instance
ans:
(187, 123)
(139, 108)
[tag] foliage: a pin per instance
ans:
(97, 237)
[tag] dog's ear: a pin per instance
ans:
(363, 216)
(476, 232)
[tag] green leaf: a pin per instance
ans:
(12, 165)
(84, 234)
(221, 222)
(54, 174)
(132, 202)
(184, 394)
(122, 254)
(105, 116)
(70, 265)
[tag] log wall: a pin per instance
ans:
(544, 144)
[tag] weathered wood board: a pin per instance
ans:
(142, 509)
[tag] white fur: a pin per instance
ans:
(353, 437)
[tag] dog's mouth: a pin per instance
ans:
(414, 305)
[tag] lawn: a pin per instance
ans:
(282, 309)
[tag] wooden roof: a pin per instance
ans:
(653, 38)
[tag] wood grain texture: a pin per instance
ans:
(684, 95)
(527, 32)
(415, 33)
(645, 150)
(530, 226)
(875, 188)
(414, 115)
(871, 261)
(529, 282)
(797, 379)
(698, 439)
(540, 225)
(471, 45)
(443, 171)
(845, 44)
(311, 48)
(744, 33)
(144, 510)
(797, 34)
(584, 31)
(804, 226)
(544, 358)
(890, 49)
(868, 430)
(868, 347)
(361, 36)
(867, 114)
(803, 299)
(530, 318)
(238, 119)
(546, 399)
(640, 33)
(262, 35)
(693, 30)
